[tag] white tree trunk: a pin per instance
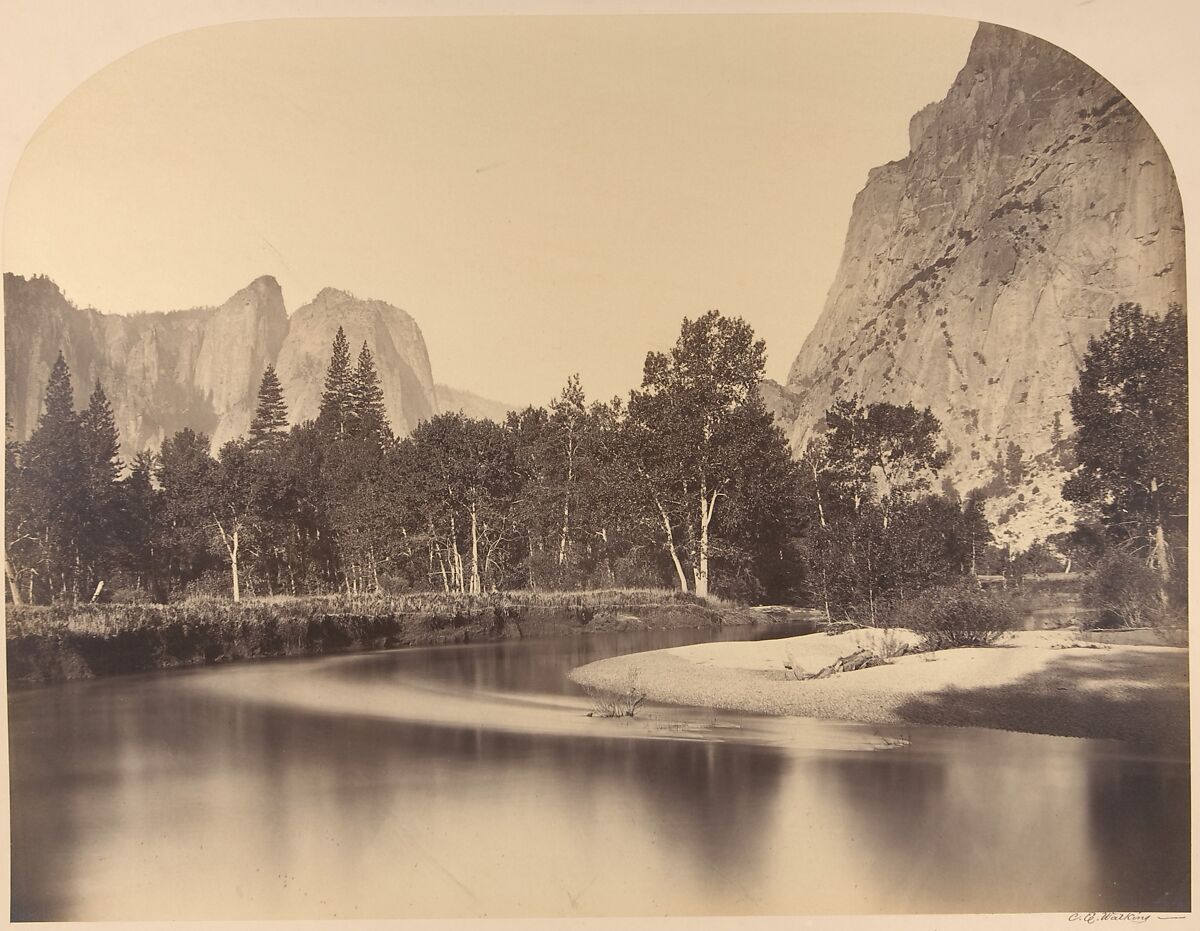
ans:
(683, 582)
(566, 512)
(233, 563)
(476, 588)
(702, 555)
(12, 582)
(817, 489)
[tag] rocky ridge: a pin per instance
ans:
(201, 368)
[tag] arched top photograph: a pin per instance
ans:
(595, 466)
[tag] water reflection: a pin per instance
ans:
(146, 798)
(1139, 823)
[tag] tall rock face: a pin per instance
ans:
(195, 368)
(1034, 199)
(201, 368)
(394, 339)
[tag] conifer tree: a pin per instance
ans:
(271, 416)
(140, 532)
(56, 478)
(366, 415)
(335, 401)
(101, 440)
(58, 409)
(100, 520)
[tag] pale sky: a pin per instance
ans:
(545, 195)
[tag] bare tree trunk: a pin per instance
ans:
(702, 555)
(566, 521)
(13, 585)
(442, 568)
(817, 488)
(233, 562)
(683, 582)
(231, 541)
(566, 525)
(456, 565)
(476, 588)
(1162, 558)
(375, 571)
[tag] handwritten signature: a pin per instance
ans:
(1093, 917)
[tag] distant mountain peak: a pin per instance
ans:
(201, 368)
(333, 296)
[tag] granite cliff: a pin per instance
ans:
(201, 368)
(1034, 199)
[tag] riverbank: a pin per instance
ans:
(57, 643)
(1039, 682)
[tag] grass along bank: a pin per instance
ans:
(58, 642)
(1041, 682)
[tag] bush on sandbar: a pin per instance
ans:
(956, 616)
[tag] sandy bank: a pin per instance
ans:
(1040, 682)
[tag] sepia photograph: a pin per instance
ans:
(623, 464)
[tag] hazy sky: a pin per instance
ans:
(544, 195)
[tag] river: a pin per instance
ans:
(468, 781)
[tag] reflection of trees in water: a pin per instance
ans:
(893, 830)
(709, 800)
(283, 789)
(1140, 818)
(983, 822)
(998, 822)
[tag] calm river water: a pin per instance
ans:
(466, 781)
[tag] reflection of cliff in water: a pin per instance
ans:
(1015, 822)
(1144, 848)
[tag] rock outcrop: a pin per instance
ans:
(393, 337)
(1035, 198)
(201, 368)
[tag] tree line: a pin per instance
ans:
(687, 482)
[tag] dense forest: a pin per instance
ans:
(687, 483)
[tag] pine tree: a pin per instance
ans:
(101, 505)
(366, 415)
(335, 401)
(271, 416)
(140, 531)
(56, 480)
(58, 409)
(101, 439)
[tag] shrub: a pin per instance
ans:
(623, 703)
(1125, 592)
(956, 616)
